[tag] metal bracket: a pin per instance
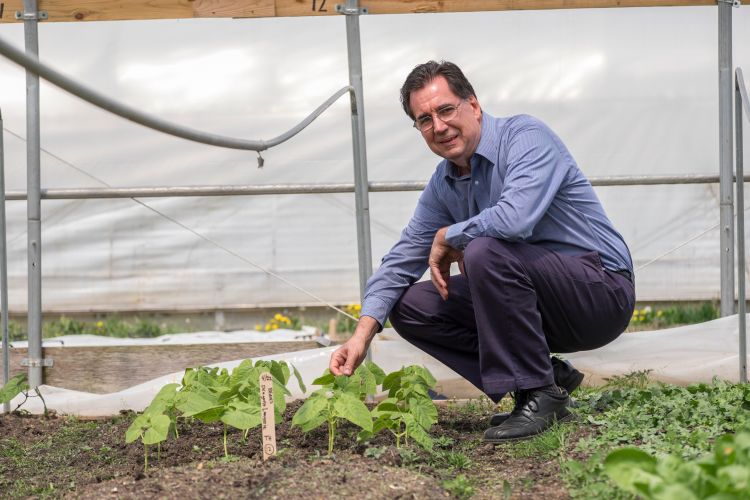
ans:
(42, 15)
(734, 3)
(348, 11)
(34, 363)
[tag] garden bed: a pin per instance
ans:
(71, 457)
(88, 459)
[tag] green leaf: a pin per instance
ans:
(136, 428)
(158, 429)
(376, 371)
(298, 376)
(210, 415)
(632, 469)
(424, 411)
(280, 371)
(387, 405)
(352, 409)
(368, 382)
(327, 378)
(166, 393)
(734, 478)
(312, 413)
(418, 434)
(192, 404)
(392, 382)
(15, 386)
(425, 375)
(242, 416)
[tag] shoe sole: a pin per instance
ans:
(566, 418)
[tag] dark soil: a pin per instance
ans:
(67, 457)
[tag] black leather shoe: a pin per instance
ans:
(536, 410)
(566, 377)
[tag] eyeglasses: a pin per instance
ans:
(445, 114)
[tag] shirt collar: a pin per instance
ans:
(489, 140)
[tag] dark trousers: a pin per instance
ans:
(516, 303)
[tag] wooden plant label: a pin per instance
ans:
(268, 421)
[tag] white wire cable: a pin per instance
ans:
(690, 240)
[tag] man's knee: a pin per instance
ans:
(484, 251)
(410, 307)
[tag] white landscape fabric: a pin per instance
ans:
(695, 353)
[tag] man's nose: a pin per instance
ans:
(438, 125)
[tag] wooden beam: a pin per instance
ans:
(107, 10)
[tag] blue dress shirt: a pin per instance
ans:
(524, 185)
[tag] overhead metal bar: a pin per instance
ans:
(318, 188)
(107, 10)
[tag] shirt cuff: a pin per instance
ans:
(456, 237)
(377, 309)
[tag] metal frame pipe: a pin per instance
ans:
(150, 121)
(361, 198)
(3, 269)
(33, 203)
(726, 202)
(739, 160)
(276, 189)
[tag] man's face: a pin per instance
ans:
(458, 138)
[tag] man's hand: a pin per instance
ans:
(349, 356)
(441, 257)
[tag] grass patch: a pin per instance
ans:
(656, 317)
(110, 327)
(658, 418)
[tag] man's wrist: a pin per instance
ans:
(367, 327)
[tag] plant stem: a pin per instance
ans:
(158, 451)
(145, 458)
(226, 453)
(44, 403)
(331, 434)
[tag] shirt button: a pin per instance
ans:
(476, 183)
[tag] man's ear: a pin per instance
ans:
(475, 107)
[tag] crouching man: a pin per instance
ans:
(542, 268)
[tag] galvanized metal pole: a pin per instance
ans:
(725, 158)
(4, 269)
(740, 227)
(33, 205)
(361, 195)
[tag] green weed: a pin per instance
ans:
(551, 443)
(460, 487)
(660, 419)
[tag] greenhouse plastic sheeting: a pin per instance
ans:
(694, 353)
(683, 355)
(630, 91)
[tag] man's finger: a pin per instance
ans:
(348, 366)
(337, 359)
(437, 279)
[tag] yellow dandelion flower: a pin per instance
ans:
(100, 324)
